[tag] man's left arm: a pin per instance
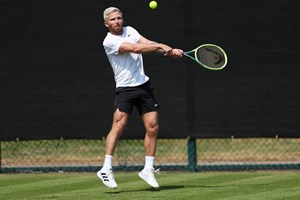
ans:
(175, 53)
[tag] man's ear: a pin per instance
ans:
(105, 24)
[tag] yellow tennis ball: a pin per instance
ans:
(153, 4)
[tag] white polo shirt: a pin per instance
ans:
(128, 68)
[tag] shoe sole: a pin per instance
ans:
(142, 177)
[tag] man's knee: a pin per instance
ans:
(152, 130)
(121, 126)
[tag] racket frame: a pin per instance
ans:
(194, 57)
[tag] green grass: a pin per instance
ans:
(277, 185)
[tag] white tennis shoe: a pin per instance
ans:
(148, 176)
(107, 178)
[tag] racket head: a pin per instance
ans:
(210, 56)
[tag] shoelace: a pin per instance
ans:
(156, 170)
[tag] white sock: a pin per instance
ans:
(149, 162)
(108, 162)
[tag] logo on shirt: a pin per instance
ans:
(128, 35)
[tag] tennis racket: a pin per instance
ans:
(209, 56)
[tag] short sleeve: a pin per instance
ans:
(136, 35)
(112, 45)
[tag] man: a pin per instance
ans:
(124, 47)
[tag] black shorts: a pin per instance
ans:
(140, 96)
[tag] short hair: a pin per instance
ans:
(109, 10)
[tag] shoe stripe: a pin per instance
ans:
(104, 176)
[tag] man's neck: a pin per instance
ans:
(117, 33)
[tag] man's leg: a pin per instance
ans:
(119, 123)
(118, 126)
(150, 120)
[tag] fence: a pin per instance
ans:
(191, 154)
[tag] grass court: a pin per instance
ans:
(261, 185)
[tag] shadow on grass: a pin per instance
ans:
(175, 187)
(163, 188)
(166, 187)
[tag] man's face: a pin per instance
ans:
(114, 23)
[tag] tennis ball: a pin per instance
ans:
(153, 4)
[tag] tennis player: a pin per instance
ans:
(124, 47)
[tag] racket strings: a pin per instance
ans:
(211, 56)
